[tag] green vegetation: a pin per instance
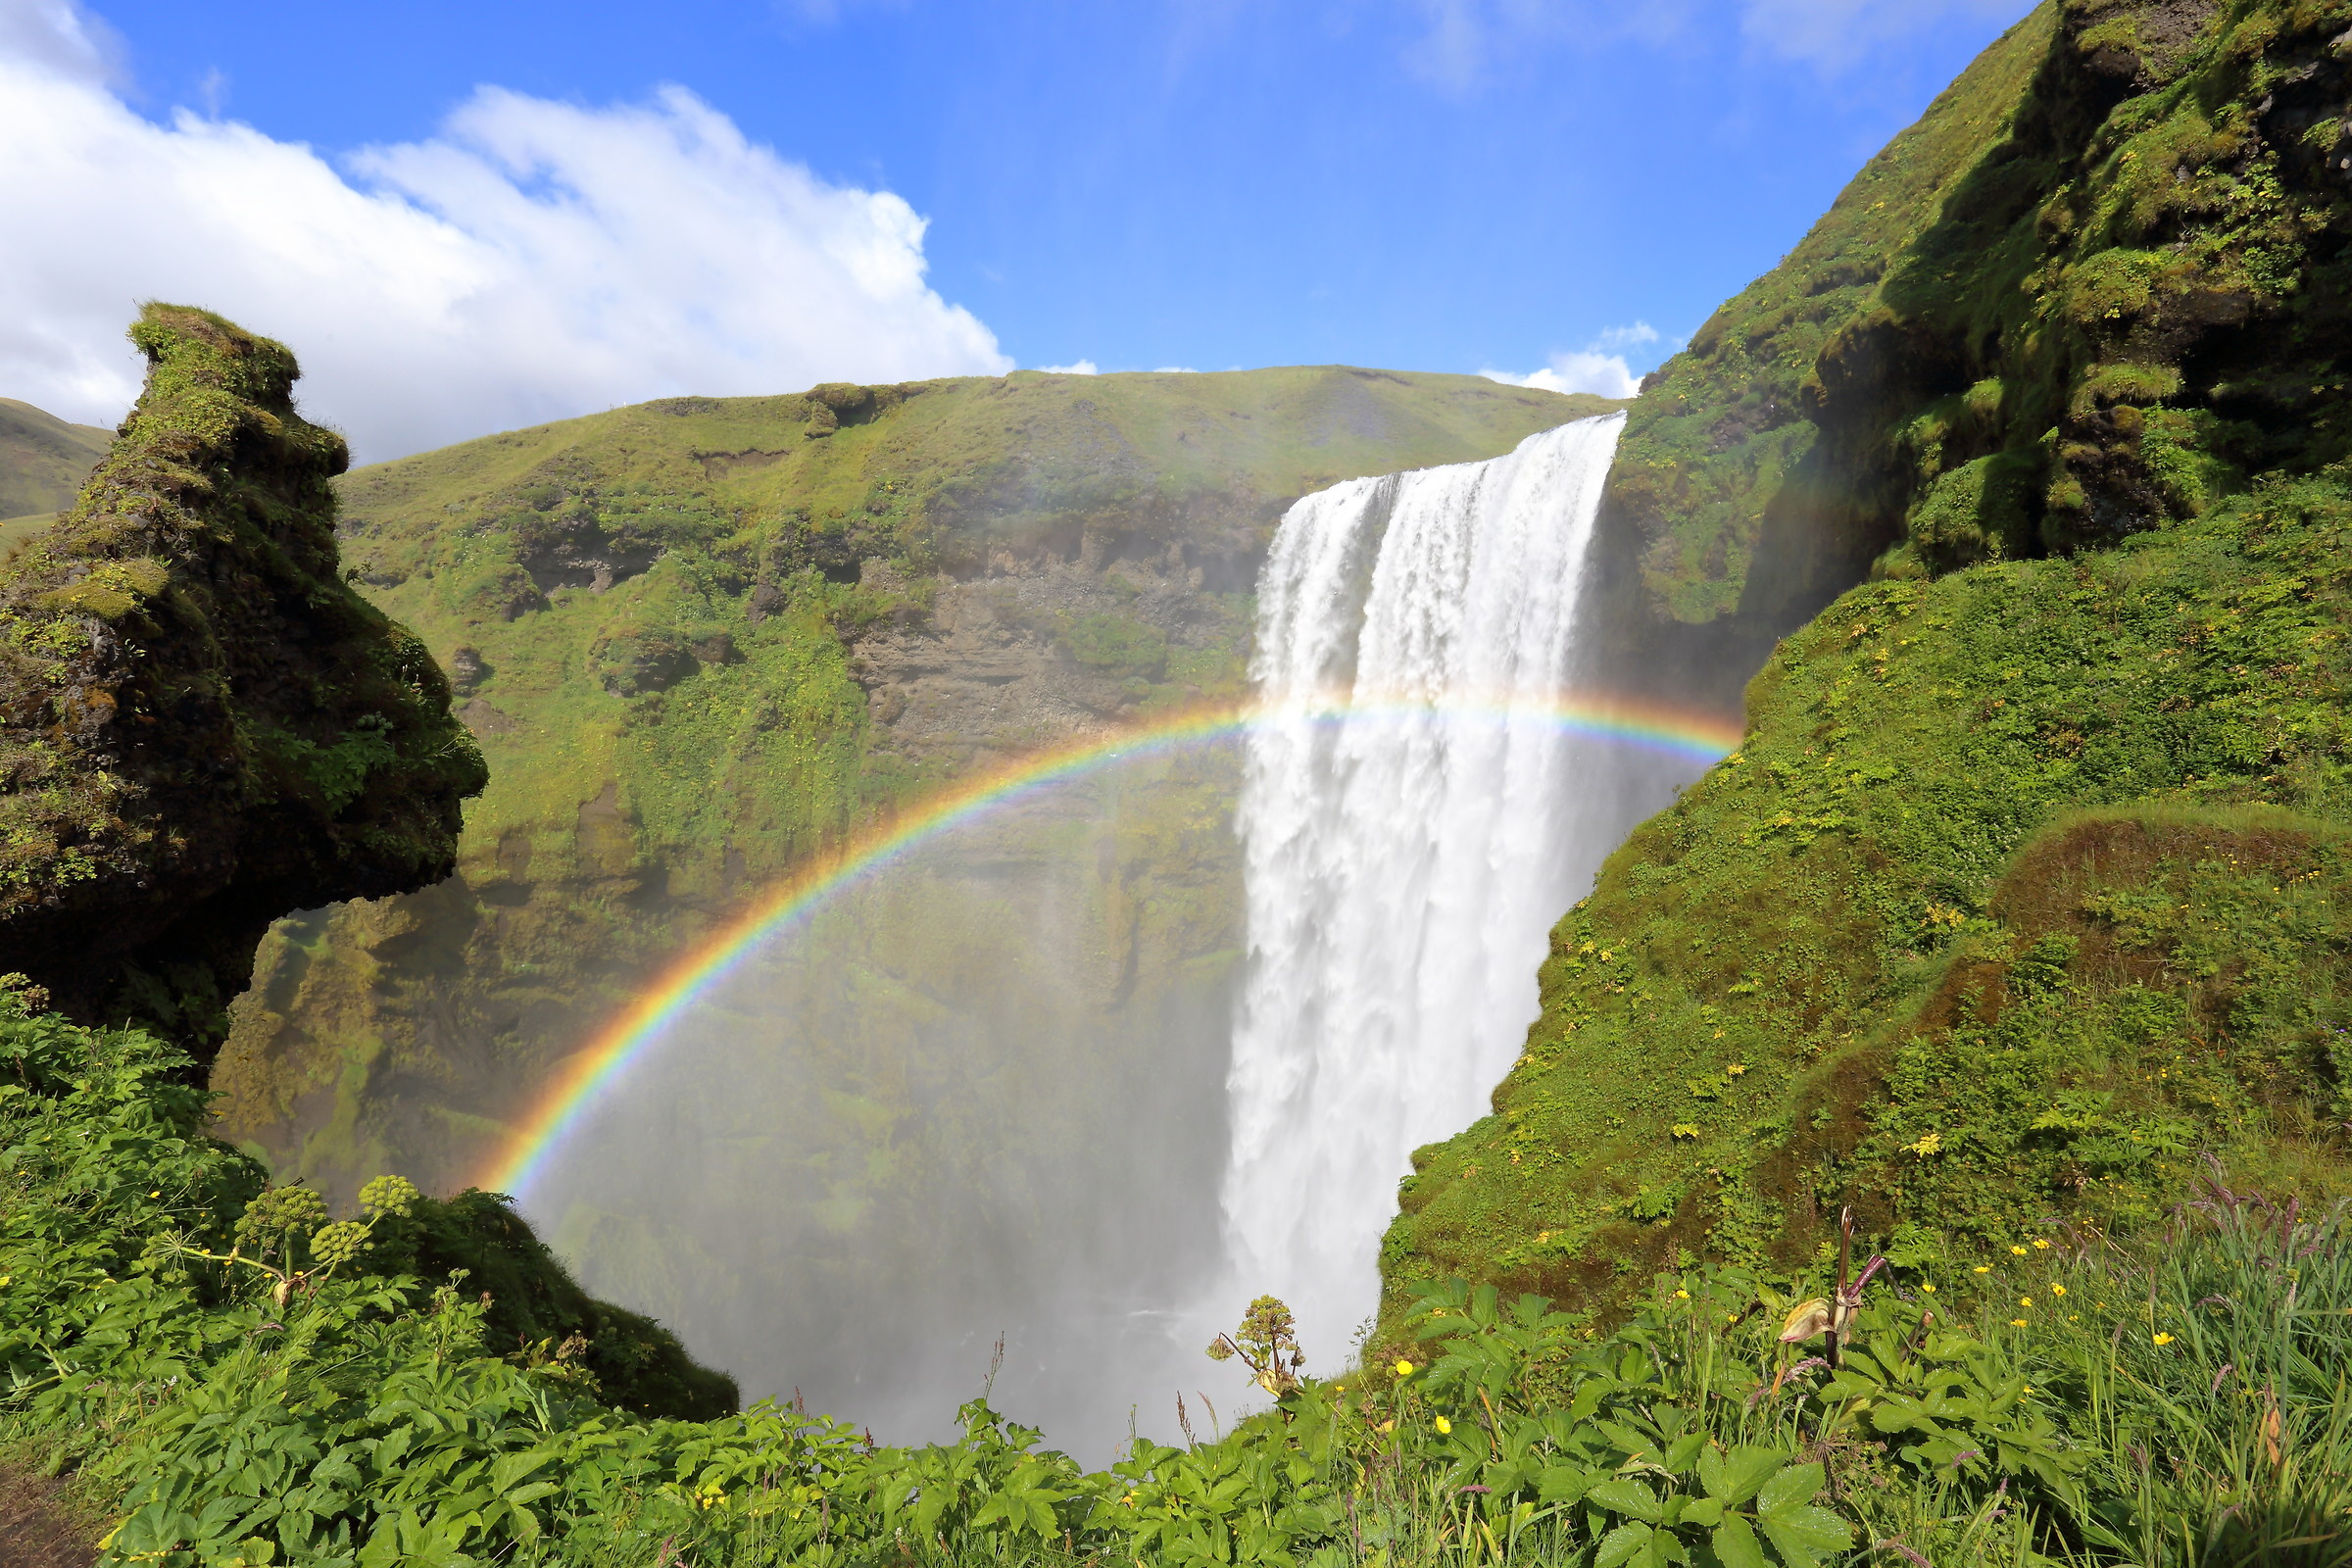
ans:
(1719, 503)
(234, 1377)
(43, 462)
(2028, 883)
(200, 725)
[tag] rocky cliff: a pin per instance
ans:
(2026, 890)
(202, 726)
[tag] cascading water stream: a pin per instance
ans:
(1405, 861)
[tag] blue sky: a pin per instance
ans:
(1432, 184)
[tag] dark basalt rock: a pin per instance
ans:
(202, 726)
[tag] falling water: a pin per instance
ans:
(1404, 868)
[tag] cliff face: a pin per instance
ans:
(202, 726)
(1725, 525)
(701, 640)
(2025, 887)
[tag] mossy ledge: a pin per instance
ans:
(2027, 886)
(202, 726)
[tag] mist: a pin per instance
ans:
(971, 1126)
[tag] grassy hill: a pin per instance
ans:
(43, 462)
(2027, 890)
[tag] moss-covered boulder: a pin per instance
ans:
(202, 726)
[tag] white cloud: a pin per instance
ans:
(1599, 368)
(1174, 370)
(1081, 368)
(1836, 34)
(1627, 337)
(1604, 375)
(531, 260)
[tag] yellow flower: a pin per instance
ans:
(2017, 1322)
(1983, 1268)
(1443, 1425)
(2025, 1300)
(1929, 1289)
(1682, 1295)
(2019, 1251)
(158, 1193)
(2027, 1388)
(2162, 1339)
(1389, 1425)
(1736, 1067)
(2040, 1244)
(1405, 1369)
(2057, 1290)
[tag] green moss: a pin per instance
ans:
(2027, 887)
(1118, 643)
(201, 724)
(1716, 464)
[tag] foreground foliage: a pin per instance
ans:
(325, 1400)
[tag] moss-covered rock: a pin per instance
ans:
(202, 726)
(1723, 526)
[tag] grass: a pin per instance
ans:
(2170, 1396)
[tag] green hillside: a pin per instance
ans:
(700, 640)
(2027, 890)
(43, 462)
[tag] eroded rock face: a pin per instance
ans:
(200, 725)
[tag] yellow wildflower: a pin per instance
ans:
(1983, 1268)
(1443, 1425)
(1405, 1369)
(2019, 1251)
(2041, 1243)
(2057, 1290)
(2025, 1300)
(2162, 1339)
(1929, 1289)
(2017, 1322)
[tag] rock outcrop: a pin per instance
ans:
(202, 726)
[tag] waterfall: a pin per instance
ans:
(1407, 859)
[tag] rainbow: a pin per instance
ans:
(577, 1084)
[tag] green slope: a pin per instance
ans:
(2026, 886)
(698, 640)
(43, 460)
